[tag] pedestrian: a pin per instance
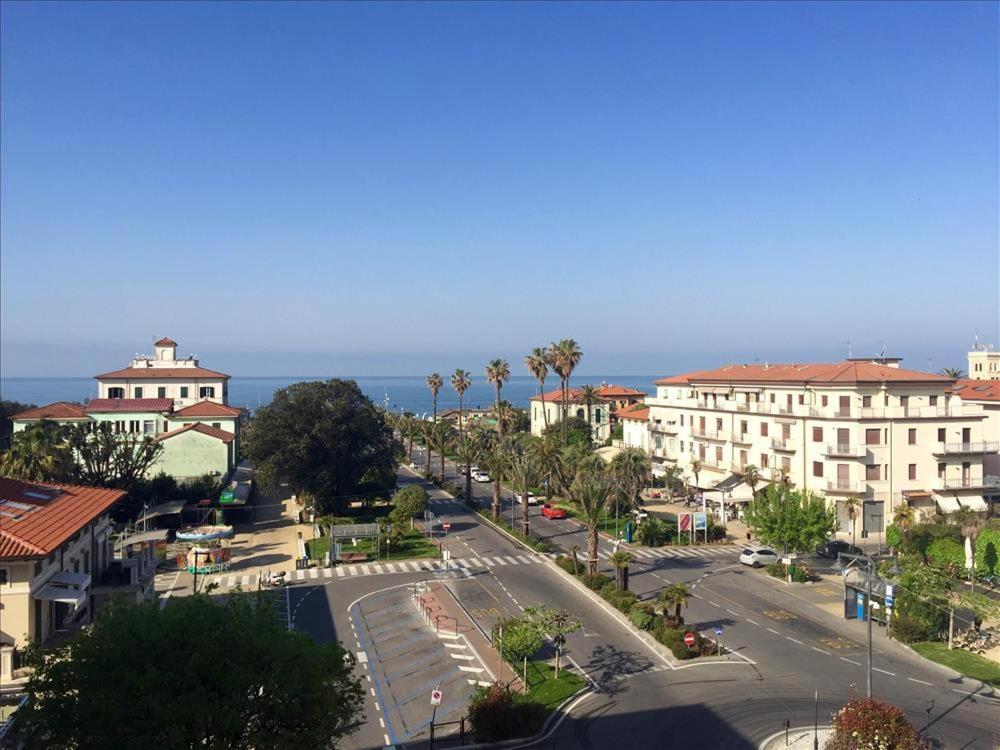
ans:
(748, 536)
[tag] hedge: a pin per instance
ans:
(594, 581)
(988, 551)
(643, 617)
(800, 573)
(946, 552)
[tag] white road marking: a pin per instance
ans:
(820, 650)
(914, 679)
(340, 572)
(362, 657)
(774, 631)
(381, 722)
(733, 613)
(883, 671)
(851, 661)
(713, 603)
(462, 657)
(314, 572)
(753, 622)
(470, 669)
(793, 640)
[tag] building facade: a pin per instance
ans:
(547, 408)
(634, 420)
(986, 395)
(859, 429)
(984, 362)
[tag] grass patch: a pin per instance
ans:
(413, 544)
(969, 664)
(544, 688)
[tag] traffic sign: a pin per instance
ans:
(718, 630)
(446, 526)
(690, 640)
(435, 697)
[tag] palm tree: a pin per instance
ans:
(621, 560)
(676, 595)
(549, 457)
(460, 381)
(696, 470)
(563, 357)
(505, 416)
(538, 366)
(970, 523)
(427, 433)
(630, 470)
(407, 428)
(38, 454)
(751, 477)
(434, 382)
(903, 519)
(440, 439)
(498, 373)
(852, 506)
(524, 476)
(589, 396)
(467, 452)
(955, 373)
(495, 455)
(590, 495)
(573, 550)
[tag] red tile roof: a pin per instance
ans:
(204, 429)
(638, 412)
(58, 410)
(49, 522)
(813, 374)
(207, 409)
(165, 342)
(977, 390)
(604, 392)
(160, 373)
(128, 405)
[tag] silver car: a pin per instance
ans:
(755, 555)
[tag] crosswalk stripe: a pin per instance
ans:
(352, 570)
(390, 568)
(523, 559)
(501, 560)
(475, 561)
(512, 560)
(645, 553)
(314, 572)
(340, 572)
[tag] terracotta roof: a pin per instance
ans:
(638, 412)
(161, 373)
(813, 374)
(43, 520)
(604, 392)
(977, 390)
(165, 342)
(128, 405)
(58, 410)
(204, 429)
(208, 409)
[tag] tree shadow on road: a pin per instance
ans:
(608, 666)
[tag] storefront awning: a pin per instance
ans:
(719, 390)
(740, 389)
(947, 504)
(156, 535)
(163, 509)
(974, 502)
(65, 587)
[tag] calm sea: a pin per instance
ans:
(406, 393)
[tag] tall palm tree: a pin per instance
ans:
(563, 357)
(407, 424)
(696, 470)
(751, 477)
(903, 519)
(441, 439)
(631, 470)
(524, 476)
(955, 373)
(970, 524)
(467, 452)
(852, 506)
(538, 365)
(427, 433)
(590, 495)
(498, 373)
(434, 382)
(549, 457)
(460, 381)
(676, 595)
(496, 459)
(621, 560)
(505, 416)
(588, 394)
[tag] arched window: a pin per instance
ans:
(580, 413)
(597, 416)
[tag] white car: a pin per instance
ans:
(754, 555)
(532, 498)
(481, 476)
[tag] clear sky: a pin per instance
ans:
(387, 189)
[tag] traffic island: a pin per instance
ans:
(798, 738)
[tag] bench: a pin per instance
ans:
(353, 557)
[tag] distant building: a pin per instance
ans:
(984, 362)
(986, 395)
(547, 408)
(634, 420)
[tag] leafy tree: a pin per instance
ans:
(590, 495)
(440, 439)
(145, 677)
(506, 417)
(411, 500)
(38, 453)
(956, 373)
(987, 549)
(467, 452)
(518, 640)
(852, 506)
(557, 623)
(524, 475)
(799, 521)
(495, 455)
(630, 471)
(7, 410)
(434, 382)
(589, 396)
(751, 477)
(106, 459)
(548, 454)
(970, 523)
(576, 430)
(696, 470)
(538, 366)
(871, 724)
(324, 438)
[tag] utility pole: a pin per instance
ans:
(868, 612)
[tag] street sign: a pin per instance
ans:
(446, 526)
(689, 639)
(435, 697)
(786, 561)
(718, 630)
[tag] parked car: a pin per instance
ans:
(754, 555)
(481, 476)
(837, 547)
(532, 498)
(474, 469)
(551, 511)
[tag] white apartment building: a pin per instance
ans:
(546, 408)
(856, 428)
(984, 362)
(163, 375)
(986, 395)
(635, 426)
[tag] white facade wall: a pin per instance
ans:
(184, 392)
(600, 417)
(635, 434)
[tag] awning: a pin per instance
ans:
(743, 389)
(76, 597)
(714, 390)
(974, 502)
(659, 470)
(68, 578)
(729, 483)
(156, 535)
(947, 504)
(915, 494)
(163, 509)
(741, 493)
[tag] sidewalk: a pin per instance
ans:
(736, 530)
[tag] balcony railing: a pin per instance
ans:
(845, 486)
(783, 444)
(713, 465)
(743, 438)
(953, 448)
(667, 428)
(973, 481)
(844, 449)
(709, 434)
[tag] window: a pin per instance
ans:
(4, 580)
(743, 427)
(743, 458)
(133, 425)
(763, 429)
(597, 417)
(682, 420)
(718, 454)
(818, 438)
(161, 392)
(873, 436)
(164, 425)
(116, 393)
(904, 401)
(718, 425)
(911, 436)
(817, 468)
(772, 398)
(208, 391)
(933, 400)
(701, 423)
(763, 460)
(149, 426)
(941, 436)
(218, 425)
(137, 392)
(912, 471)
(873, 472)
(802, 399)
(941, 470)
(824, 400)
(184, 391)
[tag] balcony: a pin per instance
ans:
(783, 444)
(954, 449)
(971, 482)
(845, 449)
(721, 435)
(742, 438)
(712, 465)
(666, 428)
(845, 487)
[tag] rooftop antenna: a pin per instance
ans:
(850, 351)
(881, 354)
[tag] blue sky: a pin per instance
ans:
(389, 189)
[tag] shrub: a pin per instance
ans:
(652, 532)
(608, 591)
(543, 547)
(451, 488)
(673, 638)
(946, 552)
(642, 617)
(594, 581)
(493, 713)
(988, 551)
(566, 563)
(775, 570)
(911, 630)
(870, 724)
(893, 537)
(411, 500)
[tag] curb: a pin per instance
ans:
(948, 670)
(777, 735)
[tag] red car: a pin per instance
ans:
(551, 511)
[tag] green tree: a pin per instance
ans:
(538, 366)
(409, 428)
(461, 380)
(652, 532)
(903, 519)
(498, 373)
(573, 431)
(145, 677)
(797, 521)
(548, 455)
(590, 496)
(496, 458)
(323, 438)
(505, 415)
(106, 459)
(852, 506)
(630, 470)
(518, 640)
(751, 477)
(524, 475)
(956, 373)
(467, 453)
(7, 411)
(970, 523)
(563, 357)
(676, 595)
(621, 561)
(440, 439)
(434, 382)
(574, 550)
(39, 453)
(696, 470)
(557, 623)
(589, 396)
(411, 500)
